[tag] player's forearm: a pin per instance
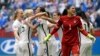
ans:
(84, 32)
(51, 20)
(49, 35)
(37, 15)
(88, 35)
(54, 30)
(32, 26)
(51, 25)
(35, 26)
(48, 19)
(16, 35)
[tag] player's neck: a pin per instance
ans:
(70, 15)
(19, 18)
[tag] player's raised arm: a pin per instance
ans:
(36, 15)
(48, 19)
(28, 14)
(50, 25)
(31, 25)
(54, 30)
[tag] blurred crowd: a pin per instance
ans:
(8, 7)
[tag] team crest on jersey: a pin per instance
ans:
(64, 21)
(74, 21)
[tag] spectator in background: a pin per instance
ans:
(98, 5)
(41, 3)
(4, 3)
(25, 4)
(33, 4)
(77, 3)
(90, 6)
(3, 21)
(17, 4)
(98, 19)
(91, 17)
(62, 6)
(9, 24)
(4, 11)
(83, 7)
(51, 6)
(70, 2)
(0, 21)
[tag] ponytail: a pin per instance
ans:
(15, 14)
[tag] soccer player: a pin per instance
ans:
(86, 44)
(23, 32)
(56, 17)
(71, 25)
(53, 46)
(42, 31)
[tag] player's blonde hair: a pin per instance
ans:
(16, 13)
(27, 12)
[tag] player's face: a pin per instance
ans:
(72, 10)
(20, 13)
(31, 13)
(55, 16)
(37, 10)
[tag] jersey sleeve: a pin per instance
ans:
(15, 26)
(59, 23)
(79, 23)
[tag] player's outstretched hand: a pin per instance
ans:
(47, 38)
(91, 37)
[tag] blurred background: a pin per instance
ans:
(8, 7)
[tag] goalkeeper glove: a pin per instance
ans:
(91, 37)
(47, 38)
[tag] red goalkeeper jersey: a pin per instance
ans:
(70, 29)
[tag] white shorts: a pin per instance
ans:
(23, 49)
(52, 48)
(86, 46)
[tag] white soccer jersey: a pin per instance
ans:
(24, 31)
(42, 29)
(54, 45)
(50, 29)
(59, 31)
(15, 26)
(86, 43)
(84, 39)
